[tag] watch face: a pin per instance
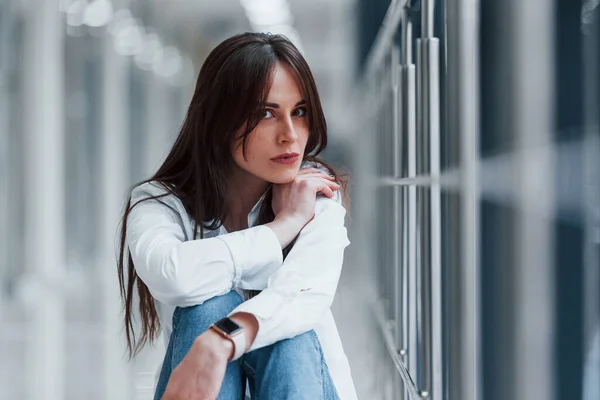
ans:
(228, 326)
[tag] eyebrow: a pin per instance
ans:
(275, 105)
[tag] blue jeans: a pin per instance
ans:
(289, 369)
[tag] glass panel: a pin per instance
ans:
(11, 149)
(83, 82)
(12, 213)
(452, 295)
(590, 28)
(570, 221)
(83, 95)
(496, 135)
(498, 252)
(137, 124)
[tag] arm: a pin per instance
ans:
(184, 273)
(299, 293)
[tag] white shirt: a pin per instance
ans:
(296, 293)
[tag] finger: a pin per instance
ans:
(320, 181)
(326, 190)
(311, 171)
(304, 171)
(317, 183)
(334, 185)
(315, 175)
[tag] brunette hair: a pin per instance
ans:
(232, 85)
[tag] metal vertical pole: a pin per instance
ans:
(532, 109)
(463, 99)
(436, 224)
(410, 129)
(398, 220)
(114, 181)
(44, 199)
(430, 204)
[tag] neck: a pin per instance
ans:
(244, 192)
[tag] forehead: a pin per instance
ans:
(285, 87)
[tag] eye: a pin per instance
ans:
(268, 114)
(299, 112)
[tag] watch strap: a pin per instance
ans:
(238, 339)
(239, 344)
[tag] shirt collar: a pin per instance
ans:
(253, 215)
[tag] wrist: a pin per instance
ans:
(286, 228)
(294, 222)
(219, 347)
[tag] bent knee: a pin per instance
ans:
(203, 315)
(307, 341)
(302, 346)
(299, 359)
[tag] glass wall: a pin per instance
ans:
(481, 189)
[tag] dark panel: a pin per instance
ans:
(370, 15)
(496, 134)
(451, 281)
(569, 70)
(569, 310)
(498, 249)
(569, 232)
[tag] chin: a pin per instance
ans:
(284, 177)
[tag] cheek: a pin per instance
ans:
(303, 133)
(238, 154)
(254, 146)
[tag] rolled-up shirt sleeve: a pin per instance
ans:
(182, 273)
(300, 292)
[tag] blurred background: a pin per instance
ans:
(471, 132)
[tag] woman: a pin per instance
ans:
(238, 191)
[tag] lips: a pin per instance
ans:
(287, 158)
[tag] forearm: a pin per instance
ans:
(312, 276)
(286, 228)
(300, 292)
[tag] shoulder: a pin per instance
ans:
(338, 198)
(316, 165)
(149, 190)
(157, 193)
(152, 201)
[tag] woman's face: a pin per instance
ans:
(276, 146)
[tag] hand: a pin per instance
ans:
(200, 375)
(294, 203)
(297, 198)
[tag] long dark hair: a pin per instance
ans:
(234, 81)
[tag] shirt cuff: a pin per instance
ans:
(254, 251)
(263, 307)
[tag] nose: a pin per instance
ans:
(287, 131)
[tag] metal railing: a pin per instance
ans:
(402, 86)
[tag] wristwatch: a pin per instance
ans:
(229, 329)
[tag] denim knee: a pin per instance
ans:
(290, 369)
(286, 355)
(188, 324)
(305, 344)
(200, 317)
